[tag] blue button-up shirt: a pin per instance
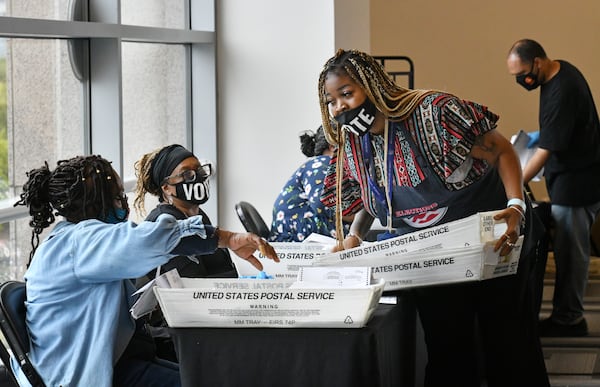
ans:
(79, 295)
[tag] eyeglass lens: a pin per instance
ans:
(190, 175)
(207, 169)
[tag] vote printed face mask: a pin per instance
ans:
(196, 192)
(529, 81)
(358, 120)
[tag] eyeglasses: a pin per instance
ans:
(205, 171)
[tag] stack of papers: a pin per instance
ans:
(292, 256)
(146, 301)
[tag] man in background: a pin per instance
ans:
(569, 150)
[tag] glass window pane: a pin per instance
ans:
(4, 184)
(154, 99)
(37, 9)
(15, 247)
(44, 106)
(153, 13)
(41, 119)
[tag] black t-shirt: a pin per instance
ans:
(570, 130)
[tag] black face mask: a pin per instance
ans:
(529, 81)
(358, 120)
(195, 192)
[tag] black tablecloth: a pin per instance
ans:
(380, 354)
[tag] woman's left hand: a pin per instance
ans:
(494, 148)
(513, 219)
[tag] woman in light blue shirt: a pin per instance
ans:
(78, 287)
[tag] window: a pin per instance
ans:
(119, 89)
(153, 13)
(37, 9)
(154, 99)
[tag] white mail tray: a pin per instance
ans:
(457, 251)
(251, 303)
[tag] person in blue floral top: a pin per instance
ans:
(298, 211)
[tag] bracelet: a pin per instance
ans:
(517, 202)
(516, 208)
(360, 241)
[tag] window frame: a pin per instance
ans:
(99, 46)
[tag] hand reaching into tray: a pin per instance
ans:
(245, 244)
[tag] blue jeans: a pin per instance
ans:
(572, 227)
(135, 372)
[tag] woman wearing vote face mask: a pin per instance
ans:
(181, 183)
(419, 158)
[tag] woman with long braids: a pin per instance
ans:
(78, 287)
(425, 157)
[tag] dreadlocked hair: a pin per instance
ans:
(144, 183)
(84, 187)
(394, 101)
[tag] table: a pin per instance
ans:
(379, 354)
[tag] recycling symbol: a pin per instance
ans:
(469, 273)
(348, 320)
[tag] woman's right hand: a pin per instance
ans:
(245, 244)
(361, 224)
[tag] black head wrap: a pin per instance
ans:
(166, 161)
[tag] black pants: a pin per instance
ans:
(481, 326)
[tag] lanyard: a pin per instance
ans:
(384, 195)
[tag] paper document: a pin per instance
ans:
(328, 277)
(147, 301)
(519, 142)
(292, 255)
(318, 238)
